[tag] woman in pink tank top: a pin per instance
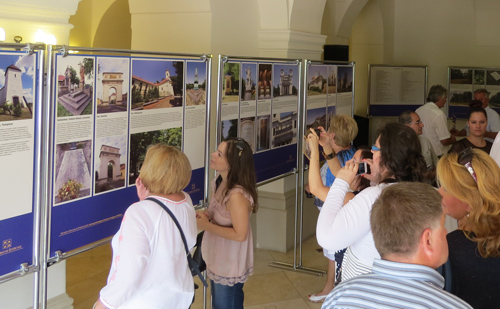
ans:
(227, 245)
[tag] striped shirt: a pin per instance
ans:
(394, 285)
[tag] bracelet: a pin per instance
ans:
(329, 156)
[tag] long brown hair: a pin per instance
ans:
(241, 168)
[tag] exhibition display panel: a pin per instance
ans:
(395, 89)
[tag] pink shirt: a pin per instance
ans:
(228, 261)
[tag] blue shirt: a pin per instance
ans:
(394, 285)
(327, 176)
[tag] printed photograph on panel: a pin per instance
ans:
(72, 171)
(75, 85)
(317, 80)
(284, 129)
(494, 96)
(196, 82)
(330, 112)
(247, 131)
(263, 132)
(248, 81)
(493, 77)
(344, 76)
(156, 83)
(459, 97)
(110, 163)
(315, 118)
(332, 79)
(139, 143)
(113, 86)
(479, 78)
(229, 128)
(265, 82)
(461, 76)
(17, 86)
(231, 82)
(286, 80)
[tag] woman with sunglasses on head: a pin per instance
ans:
(477, 123)
(227, 245)
(469, 183)
(396, 157)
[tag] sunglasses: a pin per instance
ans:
(465, 159)
(240, 144)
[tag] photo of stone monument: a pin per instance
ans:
(332, 79)
(72, 171)
(75, 85)
(196, 80)
(248, 81)
(265, 82)
(110, 163)
(157, 84)
(344, 76)
(316, 80)
(139, 143)
(286, 80)
(231, 82)
(113, 86)
(17, 86)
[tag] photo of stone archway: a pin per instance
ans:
(112, 87)
(110, 163)
(75, 85)
(72, 171)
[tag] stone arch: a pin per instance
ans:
(112, 82)
(109, 156)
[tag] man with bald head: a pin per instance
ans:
(412, 120)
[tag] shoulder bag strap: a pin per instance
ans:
(188, 254)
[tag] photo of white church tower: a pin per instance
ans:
(12, 92)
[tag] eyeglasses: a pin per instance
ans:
(465, 159)
(375, 148)
(416, 122)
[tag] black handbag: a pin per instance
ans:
(194, 265)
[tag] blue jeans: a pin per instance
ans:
(227, 297)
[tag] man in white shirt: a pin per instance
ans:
(435, 124)
(412, 120)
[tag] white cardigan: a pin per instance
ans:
(342, 226)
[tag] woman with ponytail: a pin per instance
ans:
(397, 157)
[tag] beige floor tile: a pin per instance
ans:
(306, 284)
(313, 305)
(267, 288)
(262, 258)
(296, 303)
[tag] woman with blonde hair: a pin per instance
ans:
(337, 150)
(470, 186)
(149, 268)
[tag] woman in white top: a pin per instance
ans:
(396, 157)
(149, 267)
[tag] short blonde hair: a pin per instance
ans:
(483, 197)
(166, 170)
(345, 129)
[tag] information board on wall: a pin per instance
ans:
(395, 89)
(259, 103)
(463, 81)
(108, 111)
(330, 91)
(18, 103)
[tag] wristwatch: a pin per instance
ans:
(329, 156)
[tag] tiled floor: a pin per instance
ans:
(268, 288)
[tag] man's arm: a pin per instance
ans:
(491, 135)
(448, 141)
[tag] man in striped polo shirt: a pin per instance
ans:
(407, 223)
